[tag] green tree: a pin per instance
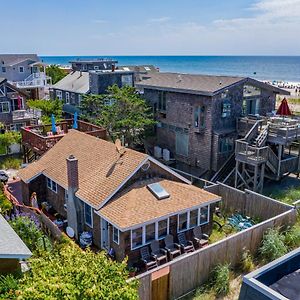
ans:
(56, 73)
(122, 111)
(8, 138)
(48, 107)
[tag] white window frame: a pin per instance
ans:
(67, 97)
(118, 235)
(187, 221)
(58, 94)
(66, 199)
(208, 215)
(8, 105)
(51, 184)
(127, 80)
(21, 68)
(90, 225)
(79, 99)
(144, 243)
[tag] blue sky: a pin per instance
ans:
(165, 27)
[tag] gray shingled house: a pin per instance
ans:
(12, 248)
(197, 115)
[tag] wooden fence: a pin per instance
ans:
(189, 271)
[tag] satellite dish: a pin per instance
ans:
(70, 232)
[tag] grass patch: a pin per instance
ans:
(288, 195)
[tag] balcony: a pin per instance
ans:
(40, 138)
(35, 80)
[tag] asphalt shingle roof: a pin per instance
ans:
(101, 171)
(11, 246)
(137, 205)
(11, 59)
(76, 82)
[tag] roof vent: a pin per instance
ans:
(158, 191)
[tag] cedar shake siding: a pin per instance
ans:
(203, 147)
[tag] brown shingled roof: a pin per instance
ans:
(137, 205)
(100, 171)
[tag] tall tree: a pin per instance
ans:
(48, 107)
(122, 111)
(56, 73)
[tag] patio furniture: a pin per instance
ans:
(149, 260)
(187, 246)
(172, 248)
(200, 238)
(160, 254)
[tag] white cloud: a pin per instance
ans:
(159, 20)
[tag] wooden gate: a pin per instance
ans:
(160, 284)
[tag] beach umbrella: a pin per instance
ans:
(75, 125)
(283, 109)
(53, 123)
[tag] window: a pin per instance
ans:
(162, 102)
(127, 80)
(66, 200)
(52, 185)
(251, 91)
(96, 67)
(3, 69)
(88, 215)
(199, 117)
(226, 145)
(79, 99)
(150, 233)
(182, 222)
(72, 98)
(204, 215)
(226, 109)
(4, 107)
(59, 95)
(182, 144)
(67, 97)
(21, 69)
(162, 228)
(193, 218)
(136, 238)
(116, 235)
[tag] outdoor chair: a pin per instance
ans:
(160, 254)
(200, 238)
(172, 248)
(149, 260)
(187, 246)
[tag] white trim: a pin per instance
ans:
(133, 248)
(113, 229)
(90, 225)
(122, 184)
(67, 97)
(16, 256)
(9, 107)
(50, 184)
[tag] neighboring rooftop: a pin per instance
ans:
(11, 246)
(138, 68)
(76, 82)
(101, 169)
(95, 60)
(12, 59)
(137, 204)
(197, 84)
(2, 80)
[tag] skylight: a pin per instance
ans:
(158, 191)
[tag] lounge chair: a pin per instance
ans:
(160, 254)
(172, 248)
(187, 246)
(148, 260)
(200, 238)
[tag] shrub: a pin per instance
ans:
(292, 237)
(8, 285)
(272, 246)
(221, 279)
(31, 235)
(247, 264)
(11, 163)
(70, 273)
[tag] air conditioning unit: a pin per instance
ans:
(166, 154)
(157, 152)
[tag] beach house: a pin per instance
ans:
(26, 72)
(199, 116)
(125, 198)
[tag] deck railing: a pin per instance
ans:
(36, 138)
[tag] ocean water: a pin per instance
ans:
(286, 68)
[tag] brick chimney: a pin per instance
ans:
(72, 170)
(73, 184)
